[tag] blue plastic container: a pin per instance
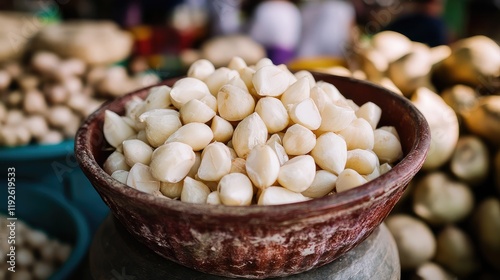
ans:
(50, 212)
(54, 167)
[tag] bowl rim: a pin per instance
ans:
(405, 167)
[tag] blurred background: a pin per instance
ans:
(166, 32)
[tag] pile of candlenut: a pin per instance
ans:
(242, 135)
(447, 226)
(37, 256)
(44, 99)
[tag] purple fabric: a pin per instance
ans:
(279, 55)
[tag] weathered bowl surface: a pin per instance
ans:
(260, 241)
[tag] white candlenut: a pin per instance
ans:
(141, 135)
(186, 89)
(297, 92)
(246, 75)
(210, 101)
(238, 82)
(201, 69)
(273, 113)
(358, 135)
(262, 166)
(387, 146)
(298, 173)
(136, 151)
(270, 80)
(304, 74)
(222, 129)
(276, 144)
(160, 124)
(196, 135)
(330, 152)
(171, 162)
(320, 98)
(213, 198)
(196, 111)
(234, 103)
(349, 179)
(275, 195)
(336, 117)
(158, 98)
(390, 129)
(140, 178)
(194, 169)
(121, 176)
(171, 190)
(331, 91)
(371, 112)
(238, 165)
(219, 78)
(116, 129)
(236, 63)
(352, 104)
(323, 184)
(291, 77)
(250, 132)
(265, 61)
(215, 162)
(298, 140)
(235, 189)
(362, 161)
(194, 191)
(115, 161)
(305, 113)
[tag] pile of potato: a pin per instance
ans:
(45, 99)
(37, 255)
(248, 134)
(448, 224)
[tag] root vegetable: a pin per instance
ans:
(433, 271)
(487, 227)
(415, 240)
(470, 161)
(440, 200)
(483, 119)
(443, 123)
(455, 251)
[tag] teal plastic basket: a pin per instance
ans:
(54, 167)
(50, 212)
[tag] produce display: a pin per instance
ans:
(60, 77)
(453, 204)
(37, 255)
(241, 135)
(44, 100)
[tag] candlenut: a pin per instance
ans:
(242, 135)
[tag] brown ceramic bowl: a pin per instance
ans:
(260, 241)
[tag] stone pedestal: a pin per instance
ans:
(114, 254)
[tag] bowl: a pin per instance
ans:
(54, 166)
(50, 212)
(260, 241)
